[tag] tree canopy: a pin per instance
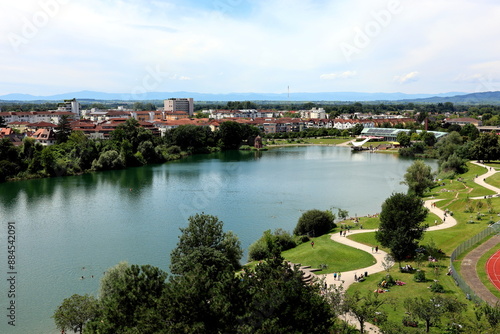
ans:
(204, 236)
(401, 225)
(74, 312)
(315, 222)
(419, 178)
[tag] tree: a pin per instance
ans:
(75, 312)
(277, 300)
(365, 307)
(315, 222)
(430, 310)
(63, 129)
(428, 138)
(264, 247)
(418, 178)
(403, 139)
(204, 242)
(487, 147)
(356, 130)
(401, 224)
(470, 131)
(130, 300)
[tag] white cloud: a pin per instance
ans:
(259, 46)
(407, 78)
(333, 76)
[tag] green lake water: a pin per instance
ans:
(70, 227)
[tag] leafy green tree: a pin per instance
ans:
(431, 309)
(205, 242)
(356, 130)
(130, 301)
(191, 137)
(454, 164)
(63, 129)
(263, 248)
(428, 138)
(401, 225)
(277, 300)
(75, 312)
(470, 131)
(403, 139)
(487, 147)
(108, 160)
(419, 178)
(492, 314)
(315, 222)
(365, 307)
(203, 300)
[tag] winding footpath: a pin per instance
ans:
(447, 222)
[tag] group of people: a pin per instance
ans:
(337, 276)
(359, 278)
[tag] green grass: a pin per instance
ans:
(397, 294)
(336, 256)
(456, 196)
(483, 275)
(494, 180)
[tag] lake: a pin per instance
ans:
(70, 227)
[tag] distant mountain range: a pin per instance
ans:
(454, 97)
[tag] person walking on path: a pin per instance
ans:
(376, 249)
(338, 276)
(372, 249)
(335, 276)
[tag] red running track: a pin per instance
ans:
(493, 269)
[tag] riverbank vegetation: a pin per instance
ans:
(130, 145)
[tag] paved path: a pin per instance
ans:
(472, 279)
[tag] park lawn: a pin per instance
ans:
(483, 275)
(336, 256)
(397, 294)
(365, 223)
(494, 180)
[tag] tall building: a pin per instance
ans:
(179, 104)
(71, 106)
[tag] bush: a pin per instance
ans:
(436, 287)
(386, 282)
(314, 223)
(419, 276)
(280, 239)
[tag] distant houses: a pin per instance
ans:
(98, 124)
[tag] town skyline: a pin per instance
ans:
(225, 46)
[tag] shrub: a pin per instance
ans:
(280, 239)
(314, 222)
(419, 276)
(386, 282)
(436, 287)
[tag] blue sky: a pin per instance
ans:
(223, 46)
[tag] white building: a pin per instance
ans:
(72, 106)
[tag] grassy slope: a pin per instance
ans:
(333, 254)
(455, 194)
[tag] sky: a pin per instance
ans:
(262, 46)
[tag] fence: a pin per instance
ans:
(493, 229)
